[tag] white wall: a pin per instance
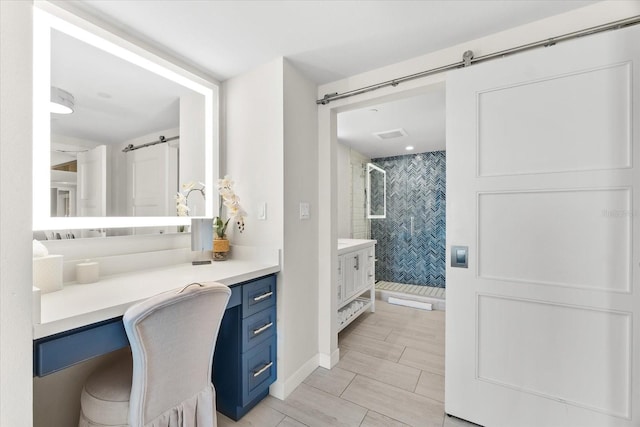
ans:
(590, 16)
(343, 172)
(270, 138)
(299, 311)
(15, 213)
(253, 143)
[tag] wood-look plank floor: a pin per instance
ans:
(390, 374)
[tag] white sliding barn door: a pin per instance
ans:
(543, 186)
(149, 185)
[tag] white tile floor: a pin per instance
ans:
(391, 373)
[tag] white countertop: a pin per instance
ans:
(79, 305)
(348, 245)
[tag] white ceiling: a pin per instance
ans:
(114, 100)
(421, 117)
(326, 40)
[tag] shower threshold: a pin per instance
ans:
(430, 294)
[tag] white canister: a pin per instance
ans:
(47, 273)
(87, 272)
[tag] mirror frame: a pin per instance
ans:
(371, 167)
(47, 17)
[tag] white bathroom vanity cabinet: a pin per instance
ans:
(356, 291)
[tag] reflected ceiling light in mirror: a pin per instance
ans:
(409, 147)
(62, 102)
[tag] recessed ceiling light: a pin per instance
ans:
(409, 147)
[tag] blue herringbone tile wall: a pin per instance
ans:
(415, 188)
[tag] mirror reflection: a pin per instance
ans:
(118, 153)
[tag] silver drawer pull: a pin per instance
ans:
(261, 370)
(262, 328)
(263, 296)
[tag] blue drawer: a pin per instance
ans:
(258, 295)
(62, 350)
(258, 328)
(258, 370)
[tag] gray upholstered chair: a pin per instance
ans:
(166, 381)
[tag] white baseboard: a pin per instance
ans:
(283, 388)
(438, 303)
(410, 303)
(329, 361)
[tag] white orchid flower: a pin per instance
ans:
(225, 193)
(225, 182)
(232, 202)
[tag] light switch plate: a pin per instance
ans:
(262, 211)
(304, 210)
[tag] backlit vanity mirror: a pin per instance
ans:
(376, 192)
(139, 128)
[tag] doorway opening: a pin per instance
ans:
(406, 139)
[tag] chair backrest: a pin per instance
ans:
(172, 337)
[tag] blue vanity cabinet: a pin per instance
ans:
(244, 363)
(60, 351)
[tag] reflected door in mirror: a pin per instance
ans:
(152, 175)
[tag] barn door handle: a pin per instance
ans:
(460, 256)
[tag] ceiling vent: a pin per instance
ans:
(390, 134)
